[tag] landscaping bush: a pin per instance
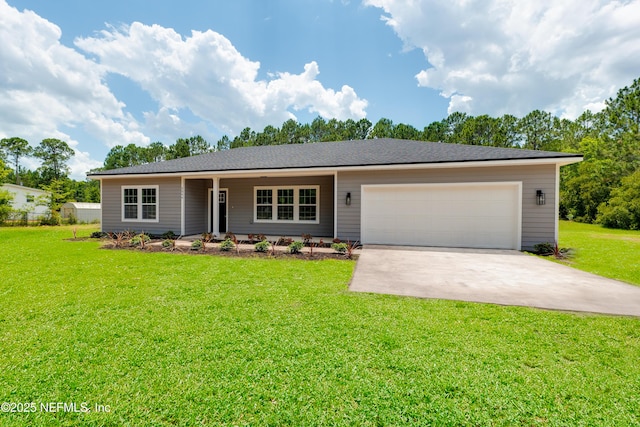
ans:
(98, 235)
(196, 245)
(168, 243)
(262, 246)
(227, 245)
(296, 247)
(545, 248)
(140, 240)
(169, 235)
(72, 219)
(341, 248)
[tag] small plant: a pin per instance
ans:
(229, 235)
(196, 245)
(261, 237)
(336, 240)
(251, 238)
(227, 245)
(339, 247)
(206, 238)
(98, 235)
(72, 220)
(262, 246)
(140, 240)
(296, 247)
(548, 249)
(120, 237)
(169, 244)
(75, 232)
(169, 235)
(350, 249)
(284, 241)
(306, 238)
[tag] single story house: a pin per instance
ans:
(380, 191)
(33, 202)
(83, 212)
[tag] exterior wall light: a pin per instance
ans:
(540, 198)
(348, 201)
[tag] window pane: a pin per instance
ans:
(148, 211)
(285, 213)
(131, 211)
(264, 212)
(307, 213)
(308, 196)
(148, 195)
(131, 195)
(285, 197)
(263, 197)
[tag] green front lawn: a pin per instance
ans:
(181, 340)
(607, 252)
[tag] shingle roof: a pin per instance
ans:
(371, 152)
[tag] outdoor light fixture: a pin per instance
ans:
(348, 201)
(539, 197)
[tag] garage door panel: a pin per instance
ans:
(464, 215)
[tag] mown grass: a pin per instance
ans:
(180, 340)
(604, 251)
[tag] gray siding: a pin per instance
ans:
(168, 205)
(538, 222)
(240, 204)
(195, 206)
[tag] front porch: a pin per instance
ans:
(276, 206)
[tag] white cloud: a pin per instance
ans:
(509, 56)
(48, 87)
(206, 74)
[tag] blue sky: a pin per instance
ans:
(99, 74)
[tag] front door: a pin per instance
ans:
(222, 205)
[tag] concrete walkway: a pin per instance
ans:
(490, 276)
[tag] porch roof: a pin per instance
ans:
(373, 152)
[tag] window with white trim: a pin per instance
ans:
(287, 204)
(140, 203)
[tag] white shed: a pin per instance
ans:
(83, 212)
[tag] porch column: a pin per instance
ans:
(182, 207)
(215, 227)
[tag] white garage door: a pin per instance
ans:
(470, 215)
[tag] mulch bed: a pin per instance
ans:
(213, 249)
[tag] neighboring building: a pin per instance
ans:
(82, 212)
(32, 201)
(381, 191)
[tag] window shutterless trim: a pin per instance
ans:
(296, 204)
(139, 204)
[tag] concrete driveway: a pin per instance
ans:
(491, 276)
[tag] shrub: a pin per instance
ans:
(52, 218)
(339, 247)
(545, 248)
(262, 246)
(296, 247)
(623, 208)
(169, 235)
(98, 235)
(72, 219)
(196, 245)
(168, 243)
(140, 240)
(227, 245)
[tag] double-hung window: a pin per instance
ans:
(140, 203)
(287, 204)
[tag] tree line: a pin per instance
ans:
(604, 188)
